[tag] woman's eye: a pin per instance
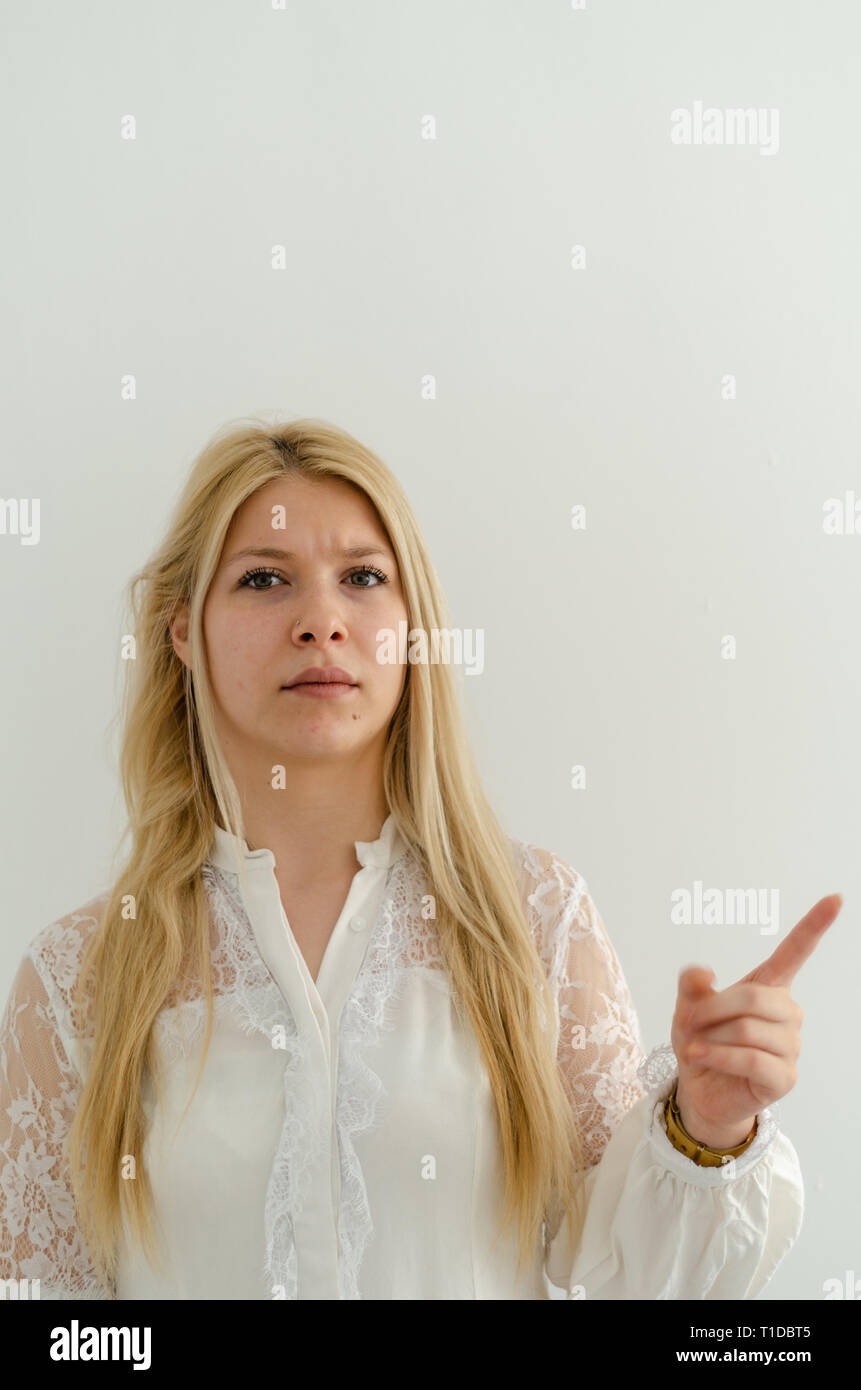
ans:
(258, 574)
(369, 570)
(366, 571)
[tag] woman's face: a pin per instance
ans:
(269, 616)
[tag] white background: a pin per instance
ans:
(451, 258)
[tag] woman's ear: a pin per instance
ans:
(178, 627)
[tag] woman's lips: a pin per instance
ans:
(321, 690)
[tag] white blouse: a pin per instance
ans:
(343, 1142)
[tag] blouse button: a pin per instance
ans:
(357, 923)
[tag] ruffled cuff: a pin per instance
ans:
(657, 1072)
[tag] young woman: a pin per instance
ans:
(331, 1033)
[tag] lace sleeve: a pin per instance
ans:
(656, 1226)
(599, 1046)
(39, 1234)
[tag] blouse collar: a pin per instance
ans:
(377, 854)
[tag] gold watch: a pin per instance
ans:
(703, 1154)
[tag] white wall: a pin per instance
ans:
(600, 385)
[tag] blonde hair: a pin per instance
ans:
(176, 783)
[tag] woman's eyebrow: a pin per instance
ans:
(270, 552)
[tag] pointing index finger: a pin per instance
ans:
(781, 967)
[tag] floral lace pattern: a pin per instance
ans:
(39, 1086)
(599, 1051)
(599, 1046)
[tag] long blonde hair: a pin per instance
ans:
(176, 783)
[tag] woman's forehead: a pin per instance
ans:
(337, 513)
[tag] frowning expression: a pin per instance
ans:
(312, 592)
